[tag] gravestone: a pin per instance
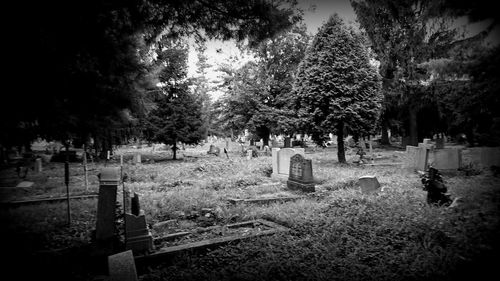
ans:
(213, 150)
(485, 157)
(439, 143)
(38, 165)
(300, 174)
(369, 184)
(447, 159)
(106, 204)
(411, 157)
(426, 141)
(138, 237)
(137, 158)
(249, 154)
(267, 150)
(281, 161)
(121, 267)
(25, 184)
(422, 158)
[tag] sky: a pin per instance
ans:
(221, 51)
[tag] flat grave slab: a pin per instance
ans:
(25, 184)
(211, 237)
(265, 200)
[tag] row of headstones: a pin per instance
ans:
(290, 163)
(449, 159)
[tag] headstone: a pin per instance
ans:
(426, 145)
(485, 157)
(369, 184)
(426, 141)
(213, 150)
(288, 142)
(412, 155)
(249, 154)
(447, 159)
(106, 204)
(137, 158)
(422, 158)
(439, 143)
(281, 161)
(274, 143)
(300, 174)
(38, 165)
(121, 267)
(138, 237)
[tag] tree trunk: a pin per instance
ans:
(385, 134)
(340, 143)
(174, 150)
(413, 127)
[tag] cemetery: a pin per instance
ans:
(202, 206)
(251, 140)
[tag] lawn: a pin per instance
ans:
(336, 233)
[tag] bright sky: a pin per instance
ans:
(221, 51)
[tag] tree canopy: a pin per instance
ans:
(336, 86)
(84, 66)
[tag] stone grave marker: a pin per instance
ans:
(138, 237)
(288, 142)
(106, 204)
(214, 150)
(411, 157)
(137, 158)
(300, 174)
(38, 165)
(447, 159)
(281, 161)
(25, 184)
(422, 158)
(369, 184)
(485, 157)
(249, 154)
(121, 267)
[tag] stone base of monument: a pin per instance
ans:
(138, 237)
(297, 185)
(209, 237)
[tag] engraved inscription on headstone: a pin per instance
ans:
(300, 175)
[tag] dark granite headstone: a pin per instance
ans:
(300, 175)
(288, 142)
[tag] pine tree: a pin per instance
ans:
(336, 86)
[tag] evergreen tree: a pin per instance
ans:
(336, 86)
(177, 118)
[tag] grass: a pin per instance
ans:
(336, 233)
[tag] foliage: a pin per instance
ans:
(405, 35)
(258, 95)
(336, 86)
(88, 63)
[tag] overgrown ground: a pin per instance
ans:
(336, 233)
